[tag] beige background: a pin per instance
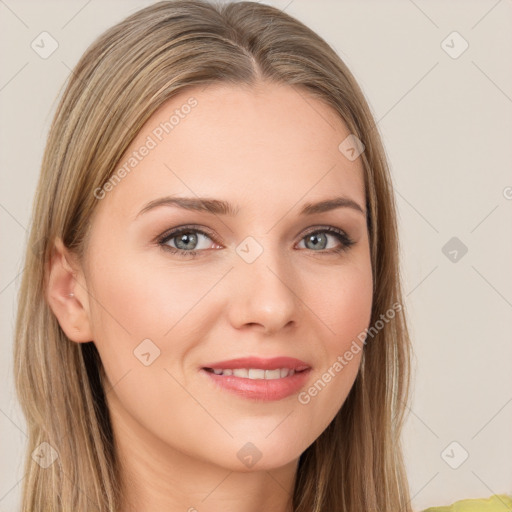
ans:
(447, 127)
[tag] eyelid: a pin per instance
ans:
(187, 227)
(318, 228)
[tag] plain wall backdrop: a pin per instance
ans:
(439, 81)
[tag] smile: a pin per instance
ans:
(257, 378)
(254, 373)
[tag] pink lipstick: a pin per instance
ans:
(259, 378)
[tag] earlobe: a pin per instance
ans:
(67, 295)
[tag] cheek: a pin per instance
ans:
(143, 299)
(342, 300)
(138, 299)
(349, 309)
(344, 306)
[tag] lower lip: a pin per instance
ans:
(261, 389)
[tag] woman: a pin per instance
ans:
(212, 309)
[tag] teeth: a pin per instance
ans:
(256, 373)
(273, 374)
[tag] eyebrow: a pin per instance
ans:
(220, 207)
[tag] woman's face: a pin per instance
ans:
(258, 279)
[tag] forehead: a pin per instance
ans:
(271, 144)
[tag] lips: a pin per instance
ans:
(257, 378)
(257, 362)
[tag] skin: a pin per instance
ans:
(268, 151)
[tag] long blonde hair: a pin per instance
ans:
(122, 79)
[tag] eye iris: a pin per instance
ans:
(186, 238)
(314, 239)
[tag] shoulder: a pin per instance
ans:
(496, 503)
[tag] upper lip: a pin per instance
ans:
(262, 363)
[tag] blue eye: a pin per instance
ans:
(319, 239)
(186, 241)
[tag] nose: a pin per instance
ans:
(263, 296)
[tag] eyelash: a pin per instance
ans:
(346, 241)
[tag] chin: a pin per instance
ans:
(264, 454)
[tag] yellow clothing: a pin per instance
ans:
(496, 503)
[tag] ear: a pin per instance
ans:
(67, 294)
